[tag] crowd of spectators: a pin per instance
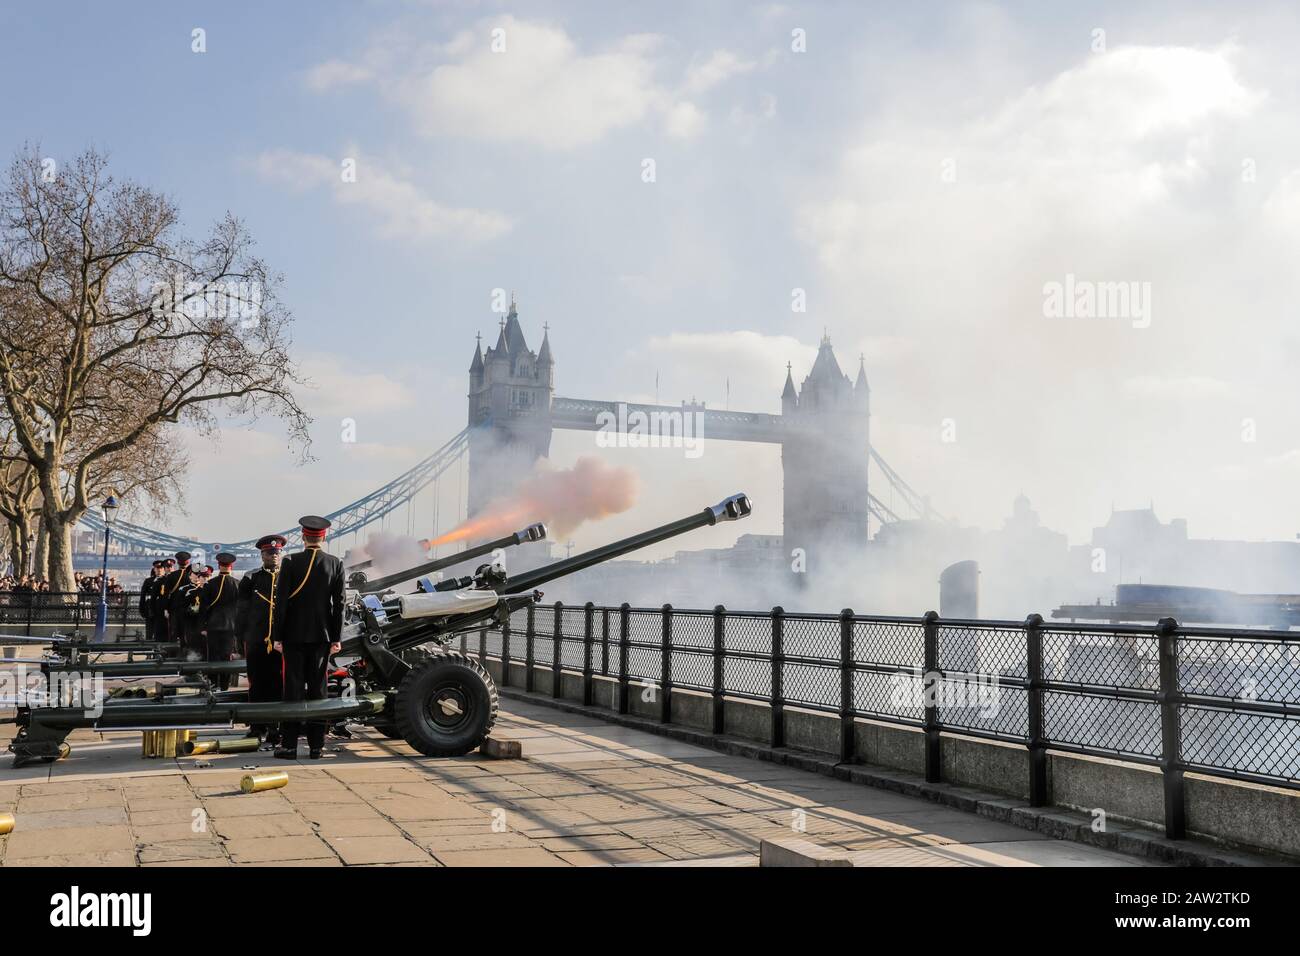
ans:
(20, 589)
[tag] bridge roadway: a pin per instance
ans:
(586, 793)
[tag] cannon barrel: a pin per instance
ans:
(116, 670)
(729, 509)
(534, 532)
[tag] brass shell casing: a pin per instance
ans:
(193, 748)
(257, 782)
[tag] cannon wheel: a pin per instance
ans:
(446, 706)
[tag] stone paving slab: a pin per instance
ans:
(586, 793)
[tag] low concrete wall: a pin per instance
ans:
(889, 745)
(983, 764)
(1243, 813)
(810, 730)
(1238, 814)
(1126, 791)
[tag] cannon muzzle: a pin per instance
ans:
(732, 508)
(533, 532)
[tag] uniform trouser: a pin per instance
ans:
(220, 647)
(148, 628)
(194, 645)
(265, 681)
(160, 633)
(304, 679)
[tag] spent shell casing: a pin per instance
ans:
(238, 746)
(7, 823)
(257, 782)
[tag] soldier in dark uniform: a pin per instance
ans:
(307, 628)
(174, 581)
(254, 616)
(158, 601)
(183, 609)
(148, 594)
(217, 606)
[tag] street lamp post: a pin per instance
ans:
(109, 508)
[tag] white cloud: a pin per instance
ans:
(335, 73)
(705, 73)
(684, 121)
(340, 389)
(542, 89)
(403, 209)
(1093, 148)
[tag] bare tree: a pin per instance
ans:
(19, 499)
(114, 327)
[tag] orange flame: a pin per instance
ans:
(563, 498)
(483, 527)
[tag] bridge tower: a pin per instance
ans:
(824, 457)
(510, 391)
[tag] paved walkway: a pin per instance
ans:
(586, 793)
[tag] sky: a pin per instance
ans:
(925, 174)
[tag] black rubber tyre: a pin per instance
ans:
(446, 706)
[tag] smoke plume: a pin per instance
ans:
(563, 498)
(386, 553)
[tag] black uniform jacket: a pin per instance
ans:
(220, 598)
(171, 581)
(184, 607)
(147, 592)
(309, 599)
(254, 614)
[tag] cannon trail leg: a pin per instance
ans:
(38, 742)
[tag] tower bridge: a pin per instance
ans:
(823, 431)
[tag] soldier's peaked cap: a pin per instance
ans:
(182, 555)
(314, 524)
(276, 541)
(225, 557)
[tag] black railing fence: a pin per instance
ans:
(21, 611)
(1217, 701)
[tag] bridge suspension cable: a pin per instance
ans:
(351, 517)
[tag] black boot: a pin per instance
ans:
(284, 753)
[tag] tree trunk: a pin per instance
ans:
(58, 535)
(41, 555)
(20, 553)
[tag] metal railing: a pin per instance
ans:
(20, 611)
(1217, 701)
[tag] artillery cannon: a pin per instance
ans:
(401, 677)
(147, 659)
